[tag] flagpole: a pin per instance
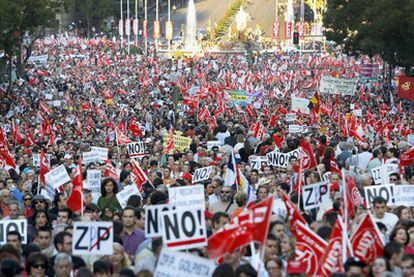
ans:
(345, 210)
(300, 180)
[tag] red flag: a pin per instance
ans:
(85, 107)
(45, 108)
(212, 123)
(309, 248)
(74, 201)
(110, 171)
(44, 166)
(334, 167)
(138, 175)
(307, 156)
(366, 243)
(354, 197)
(17, 137)
(251, 225)
(3, 138)
(5, 157)
(250, 110)
(406, 87)
(273, 120)
(259, 131)
(407, 158)
(30, 140)
(134, 128)
(203, 115)
(331, 260)
(293, 214)
(121, 138)
(170, 142)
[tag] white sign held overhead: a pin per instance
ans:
(57, 177)
(404, 195)
(89, 157)
(92, 238)
(190, 196)
(136, 149)
(177, 264)
(381, 174)
(202, 174)
(257, 162)
(280, 159)
(291, 117)
(101, 152)
(300, 105)
(342, 86)
(294, 129)
(315, 194)
(36, 159)
(212, 143)
(19, 225)
(127, 192)
(184, 229)
(385, 191)
(94, 183)
(153, 223)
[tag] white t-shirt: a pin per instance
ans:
(389, 220)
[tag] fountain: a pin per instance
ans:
(191, 28)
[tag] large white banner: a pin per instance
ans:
(57, 177)
(341, 86)
(300, 105)
(190, 196)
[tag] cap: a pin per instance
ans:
(39, 197)
(334, 186)
(295, 267)
(187, 176)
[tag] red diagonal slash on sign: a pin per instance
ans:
(100, 238)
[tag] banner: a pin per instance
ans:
(276, 30)
(257, 162)
(169, 30)
(385, 191)
(381, 174)
(153, 222)
(36, 159)
(157, 29)
(291, 117)
(19, 225)
(300, 105)
(202, 174)
(177, 264)
(40, 59)
(94, 183)
(184, 229)
(57, 177)
(121, 27)
(101, 152)
(279, 159)
(144, 29)
(341, 86)
(190, 196)
(181, 143)
(295, 129)
(127, 27)
(404, 195)
(212, 143)
(123, 195)
(242, 98)
(92, 238)
(89, 157)
(288, 30)
(314, 195)
(136, 149)
(135, 26)
(406, 87)
(301, 27)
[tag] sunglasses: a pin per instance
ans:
(39, 266)
(225, 191)
(39, 201)
(27, 199)
(393, 179)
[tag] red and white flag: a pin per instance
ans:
(203, 115)
(44, 166)
(5, 157)
(138, 175)
(251, 225)
(293, 214)
(366, 243)
(307, 156)
(17, 137)
(170, 142)
(75, 199)
(110, 171)
(30, 140)
(45, 108)
(121, 138)
(250, 110)
(407, 157)
(134, 127)
(353, 196)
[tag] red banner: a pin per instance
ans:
(169, 31)
(288, 30)
(251, 225)
(121, 27)
(157, 29)
(135, 26)
(144, 29)
(332, 258)
(406, 87)
(276, 30)
(301, 27)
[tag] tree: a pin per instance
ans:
(21, 19)
(92, 12)
(384, 27)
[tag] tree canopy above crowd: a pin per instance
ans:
(384, 27)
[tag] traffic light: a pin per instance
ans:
(295, 38)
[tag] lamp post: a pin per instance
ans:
(146, 22)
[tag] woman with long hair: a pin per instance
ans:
(119, 259)
(107, 202)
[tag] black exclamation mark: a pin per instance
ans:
(23, 230)
(199, 222)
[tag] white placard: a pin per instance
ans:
(300, 105)
(92, 238)
(294, 129)
(101, 152)
(410, 140)
(19, 225)
(124, 194)
(385, 191)
(36, 159)
(57, 177)
(40, 59)
(202, 174)
(94, 177)
(153, 222)
(256, 162)
(342, 86)
(381, 174)
(190, 196)
(184, 229)
(89, 157)
(280, 159)
(212, 143)
(177, 264)
(314, 195)
(136, 149)
(404, 195)
(290, 117)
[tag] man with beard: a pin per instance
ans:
(226, 203)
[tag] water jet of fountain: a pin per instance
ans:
(191, 28)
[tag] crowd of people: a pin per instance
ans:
(88, 93)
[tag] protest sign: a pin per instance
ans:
(57, 177)
(202, 174)
(404, 195)
(294, 129)
(385, 191)
(181, 143)
(127, 192)
(241, 97)
(341, 86)
(280, 159)
(89, 157)
(153, 222)
(40, 59)
(19, 225)
(92, 238)
(315, 194)
(94, 183)
(381, 174)
(212, 143)
(101, 152)
(177, 264)
(184, 229)
(257, 162)
(290, 117)
(190, 196)
(136, 149)
(300, 105)
(36, 159)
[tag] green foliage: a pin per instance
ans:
(384, 27)
(227, 19)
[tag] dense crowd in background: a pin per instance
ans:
(87, 90)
